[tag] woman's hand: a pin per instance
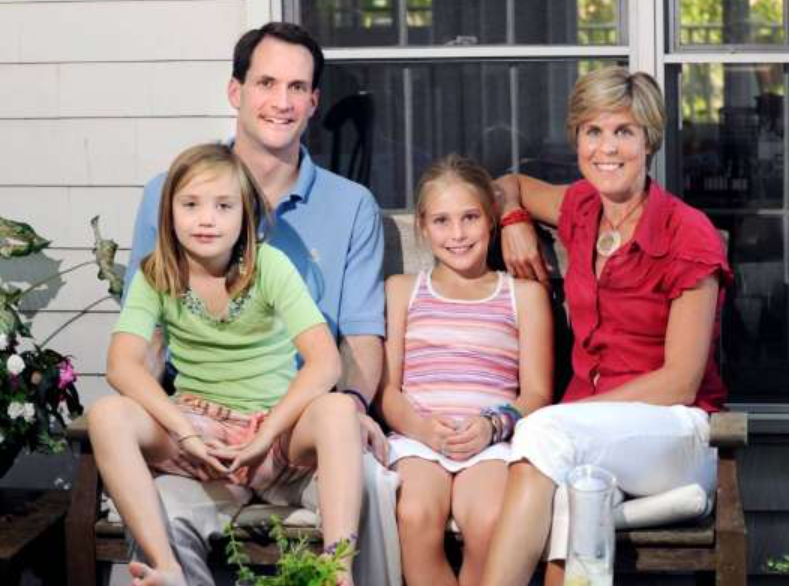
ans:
(473, 436)
(520, 248)
(197, 455)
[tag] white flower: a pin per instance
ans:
(15, 365)
(3, 341)
(26, 411)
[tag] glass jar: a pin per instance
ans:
(590, 552)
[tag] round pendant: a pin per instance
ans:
(608, 242)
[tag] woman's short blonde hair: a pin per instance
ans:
(614, 88)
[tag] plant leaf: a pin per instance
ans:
(9, 318)
(104, 251)
(19, 239)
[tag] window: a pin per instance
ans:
(726, 76)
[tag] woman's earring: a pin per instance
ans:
(242, 267)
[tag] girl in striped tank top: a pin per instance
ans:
(468, 352)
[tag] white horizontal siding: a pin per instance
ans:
(111, 152)
(99, 96)
(100, 90)
(62, 214)
(86, 339)
(134, 30)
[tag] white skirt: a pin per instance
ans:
(405, 447)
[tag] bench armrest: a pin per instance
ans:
(729, 430)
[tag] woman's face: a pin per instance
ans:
(612, 154)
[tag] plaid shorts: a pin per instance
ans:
(215, 422)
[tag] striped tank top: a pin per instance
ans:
(460, 356)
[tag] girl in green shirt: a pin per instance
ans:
(234, 313)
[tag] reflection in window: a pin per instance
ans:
(420, 112)
(732, 150)
(727, 156)
(360, 23)
(734, 22)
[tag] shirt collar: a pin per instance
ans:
(307, 171)
(652, 234)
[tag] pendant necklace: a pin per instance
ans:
(610, 240)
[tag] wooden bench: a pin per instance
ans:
(713, 547)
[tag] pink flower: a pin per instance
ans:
(67, 374)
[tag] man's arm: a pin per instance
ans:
(362, 360)
(361, 318)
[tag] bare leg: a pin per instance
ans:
(423, 507)
(522, 530)
(120, 430)
(328, 431)
(554, 573)
(477, 517)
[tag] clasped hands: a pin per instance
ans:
(457, 439)
(213, 460)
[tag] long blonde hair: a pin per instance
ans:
(166, 268)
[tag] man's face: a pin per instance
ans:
(276, 100)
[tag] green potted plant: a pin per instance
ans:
(298, 564)
(38, 396)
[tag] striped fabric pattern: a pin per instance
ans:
(460, 356)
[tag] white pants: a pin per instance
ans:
(649, 449)
(196, 512)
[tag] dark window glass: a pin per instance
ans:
(731, 22)
(375, 23)
(731, 153)
(726, 146)
(509, 116)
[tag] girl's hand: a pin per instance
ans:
(437, 432)
(199, 456)
(244, 454)
(473, 436)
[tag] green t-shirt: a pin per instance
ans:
(244, 362)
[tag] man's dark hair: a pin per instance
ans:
(283, 31)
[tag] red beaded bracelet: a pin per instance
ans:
(515, 217)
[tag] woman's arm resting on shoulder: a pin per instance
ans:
(688, 338)
(519, 242)
(535, 336)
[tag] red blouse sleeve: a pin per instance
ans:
(698, 252)
(575, 199)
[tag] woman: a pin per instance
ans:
(644, 296)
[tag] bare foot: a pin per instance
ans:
(145, 575)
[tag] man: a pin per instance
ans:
(331, 230)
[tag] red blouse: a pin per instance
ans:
(619, 320)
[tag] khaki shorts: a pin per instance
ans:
(215, 422)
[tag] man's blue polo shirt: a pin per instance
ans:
(331, 230)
